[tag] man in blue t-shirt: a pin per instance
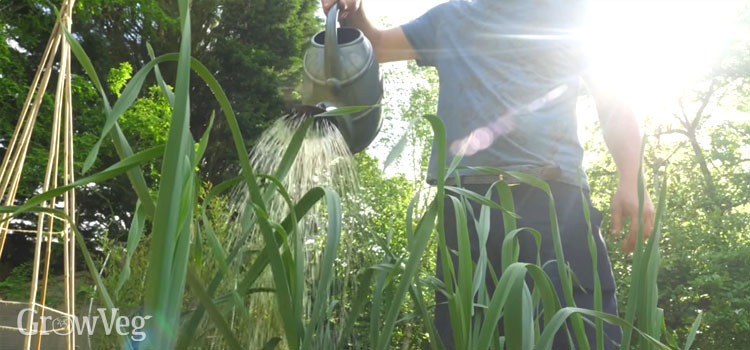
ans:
(509, 74)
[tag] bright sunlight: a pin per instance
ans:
(652, 50)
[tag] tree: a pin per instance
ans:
(253, 48)
(706, 236)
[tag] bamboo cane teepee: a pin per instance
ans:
(49, 228)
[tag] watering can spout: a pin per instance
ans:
(341, 70)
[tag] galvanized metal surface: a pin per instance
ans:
(341, 70)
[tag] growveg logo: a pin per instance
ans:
(109, 319)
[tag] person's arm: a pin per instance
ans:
(623, 139)
(389, 44)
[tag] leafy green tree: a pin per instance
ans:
(254, 49)
(705, 249)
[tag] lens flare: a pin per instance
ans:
(650, 51)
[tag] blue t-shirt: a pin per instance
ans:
(509, 75)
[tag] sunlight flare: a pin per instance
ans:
(652, 50)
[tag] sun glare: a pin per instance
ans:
(649, 50)
(652, 50)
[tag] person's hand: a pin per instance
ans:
(346, 7)
(625, 204)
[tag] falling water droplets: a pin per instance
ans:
(324, 160)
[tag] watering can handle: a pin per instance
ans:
(332, 47)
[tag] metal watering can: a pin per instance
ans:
(341, 70)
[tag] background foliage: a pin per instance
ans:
(253, 48)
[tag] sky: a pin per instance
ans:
(656, 49)
(398, 12)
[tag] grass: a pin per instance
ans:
(178, 221)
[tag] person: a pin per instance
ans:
(509, 76)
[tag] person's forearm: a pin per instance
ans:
(623, 138)
(388, 44)
(360, 21)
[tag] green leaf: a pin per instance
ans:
(480, 199)
(345, 111)
(416, 251)
(259, 264)
(134, 237)
(287, 160)
(598, 303)
(565, 277)
(203, 144)
(159, 79)
(358, 303)
(464, 300)
(114, 170)
(218, 319)
(505, 286)
(482, 225)
(693, 331)
(548, 335)
(400, 145)
(85, 62)
(327, 266)
(170, 243)
(213, 243)
(510, 245)
(129, 95)
(118, 138)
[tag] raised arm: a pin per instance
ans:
(389, 44)
(623, 139)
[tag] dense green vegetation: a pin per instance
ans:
(379, 290)
(255, 52)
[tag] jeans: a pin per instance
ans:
(532, 205)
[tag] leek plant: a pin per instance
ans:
(179, 227)
(475, 313)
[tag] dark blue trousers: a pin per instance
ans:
(532, 205)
